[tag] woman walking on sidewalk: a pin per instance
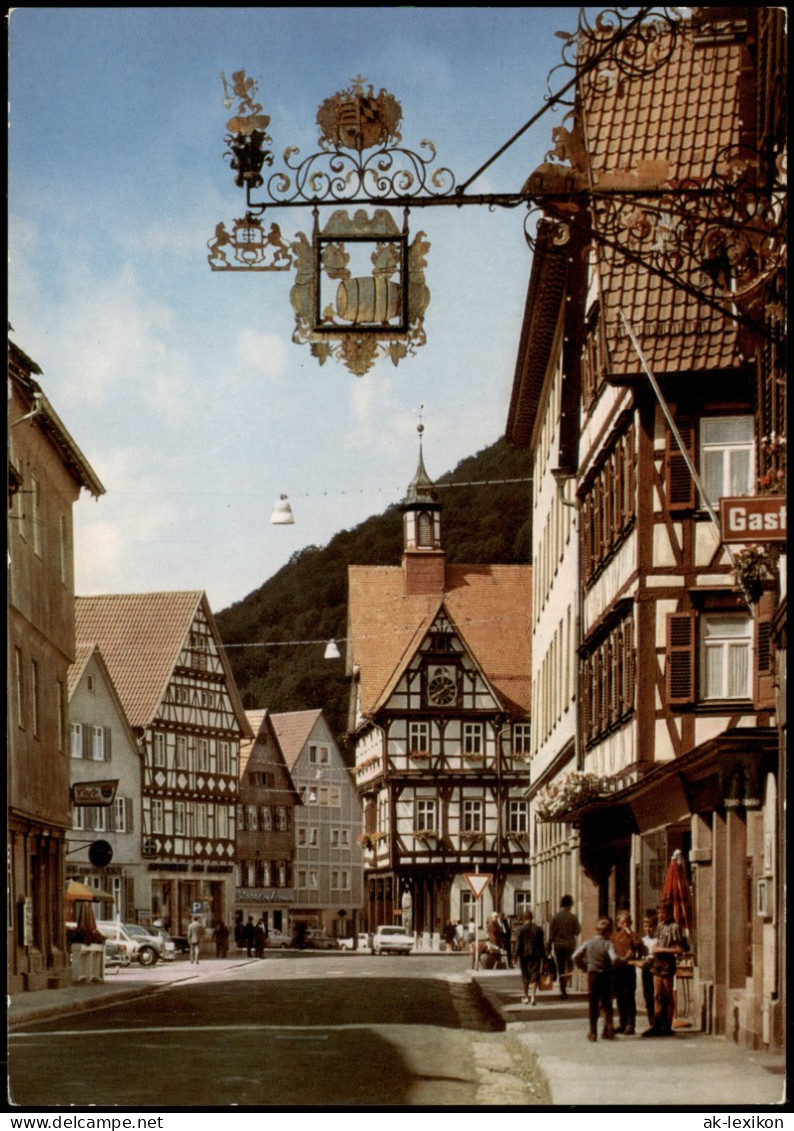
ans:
(531, 955)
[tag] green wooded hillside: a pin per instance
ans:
(307, 598)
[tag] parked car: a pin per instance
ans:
(362, 943)
(319, 940)
(392, 940)
(169, 946)
(139, 944)
(277, 940)
(115, 954)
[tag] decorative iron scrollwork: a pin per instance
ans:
(250, 247)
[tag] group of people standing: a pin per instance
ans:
(250, 937)
(610, 959)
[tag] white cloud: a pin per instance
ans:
(263, 353)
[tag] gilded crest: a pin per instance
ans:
(359, 119)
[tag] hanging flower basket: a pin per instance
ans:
(558, 798)
(773, 451)
(365, 840)
(752, 567)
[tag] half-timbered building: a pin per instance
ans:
(265, 829)
(663, 410)
(439, 656)
(165, 657)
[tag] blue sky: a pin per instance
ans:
(182, 385)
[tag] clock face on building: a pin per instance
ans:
(441, 687)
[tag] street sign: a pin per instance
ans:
(478, 882)
(753, 518)
(197, 907)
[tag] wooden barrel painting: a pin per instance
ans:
(368, 300)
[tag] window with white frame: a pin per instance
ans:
(726, 456)
(318, 755)
(522, 903)
(120, 814)
(201, 819)
(157, 815)
(419, 738)
(425, 814)
(726, 654)
(340, 881)
(472, 816)
(334, 797)
(98, 744)
(345, 838)
(100, 819)
(203, 751)
(522, 737)
(181, 752)
(180, 823)
(76, 739)
(158, 741)
(312, 880)
(517, 817)
(78, 817)
(472, 738)
(222, 821)
(312, 834)
(468, 908)
(224, 757)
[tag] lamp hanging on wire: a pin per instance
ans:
(282, 512)
(332, 651)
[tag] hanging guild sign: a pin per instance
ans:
(94, 792)
(359, 292)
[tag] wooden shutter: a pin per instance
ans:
(110, 822)
(107, 744)
(764, 668)
(627, 666)
(679, 484)
(88, 740)
(680, 667)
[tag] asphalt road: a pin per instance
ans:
(299, 1030)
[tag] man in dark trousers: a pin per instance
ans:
(562, 937)
(531, 955)
(506, 931)
(597, 956)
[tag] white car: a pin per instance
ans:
(277, 940)
(138, 943)
(362, 945)
(392, 940)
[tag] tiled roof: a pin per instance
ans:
(488, 604)
(685, 113)
(83, 653)
(140, 636)
(263, 736)
(292, 730)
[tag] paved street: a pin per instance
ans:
(297, 1029)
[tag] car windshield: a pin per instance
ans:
(393, 931)
(136, 930)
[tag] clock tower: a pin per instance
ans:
(423, 558)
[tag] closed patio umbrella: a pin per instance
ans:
(676, 890)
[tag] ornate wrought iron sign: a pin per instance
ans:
(720, 237)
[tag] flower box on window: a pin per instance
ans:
(521, 838)
(574, 790)
(473, 837)
(365, 841)
(425, 834)
(420, 754)
(474, 755)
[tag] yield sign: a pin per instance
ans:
(478, 882)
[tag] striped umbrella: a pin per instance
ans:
(676, 890)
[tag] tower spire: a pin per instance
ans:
(423, 558)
